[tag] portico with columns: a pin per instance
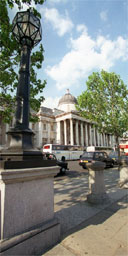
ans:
(75, 130)
(69, 127)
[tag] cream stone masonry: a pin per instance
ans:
(97, 192)
(65, 132)
(71, 132)
(27, 204)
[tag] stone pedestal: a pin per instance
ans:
(97, 193)
(28, 225)
(123, 183)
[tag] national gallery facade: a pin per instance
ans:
(63, 125)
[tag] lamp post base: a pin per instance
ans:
(21, 153)
(20, 139)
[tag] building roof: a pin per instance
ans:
(50, 112)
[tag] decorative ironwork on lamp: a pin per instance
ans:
(27, 28)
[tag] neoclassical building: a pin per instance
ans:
(64, 125)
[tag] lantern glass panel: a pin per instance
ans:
(14, 21)
(24, 27)
(32, 20)
(20, 32)
(38, 36)
(40, 31)
(15, 31)
(27, 32)
(33, 36)
(20, 17)
(33, 29)
(25, 17)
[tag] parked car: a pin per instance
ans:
(89, 157)
(61, 163)
(114, 155)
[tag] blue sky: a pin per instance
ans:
(79, 37)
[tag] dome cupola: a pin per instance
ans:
(67, 102)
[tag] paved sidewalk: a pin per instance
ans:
(89, 229)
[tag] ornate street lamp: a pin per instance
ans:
(27, 31)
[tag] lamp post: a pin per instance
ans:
(27, 31)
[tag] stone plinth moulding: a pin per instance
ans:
(28, 225)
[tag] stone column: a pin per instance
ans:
(98, 138)
(104, 141)
(65, 132)
(82, 134)
(94, 134)
(107, 139)
(86, 135)
(101, 138)
(6, 136)
(111, 140)
(90, 135)
(71, 132)
(40, 134)
(77, 136)
(49, 131)
(58, 133)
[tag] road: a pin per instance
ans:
(74, 170)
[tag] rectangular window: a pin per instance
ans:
(47, 147)
(52, 128)
(44, 127)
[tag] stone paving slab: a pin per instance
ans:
(93, 230)
(60, 250)
(104, 234)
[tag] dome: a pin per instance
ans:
(67, 102)
(68, 98)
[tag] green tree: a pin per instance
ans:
(9, 63)
(105, 102)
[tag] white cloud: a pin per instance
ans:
(81, 28)
(62, 24)
(50, 102)
(104, 16)
(87, 55)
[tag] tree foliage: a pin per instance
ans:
(9, 63)
(106, 103)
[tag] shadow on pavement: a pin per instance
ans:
(75, 218)
(72, 208)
